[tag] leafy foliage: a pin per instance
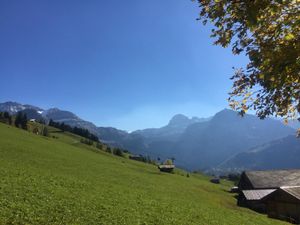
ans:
(168, 162)
(118, 152)
(268, 32)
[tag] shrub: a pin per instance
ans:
(118, 152)
(108, 149)
(86, 141)
(99, 145)
(45, 132)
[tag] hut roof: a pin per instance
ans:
(271, 179)
(167, 166)
(257, 194)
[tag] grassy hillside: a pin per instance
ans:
(60, 181)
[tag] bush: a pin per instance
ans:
(99, 145)
(45, 132)
(35, 130)
(118, 152)
(87, 141)
(108, 149)
(168, 162)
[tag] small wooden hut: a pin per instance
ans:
(136, 157)
(215, 180)
(166, 168)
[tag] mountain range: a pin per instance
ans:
(222, 142)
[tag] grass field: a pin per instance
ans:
(61, 181)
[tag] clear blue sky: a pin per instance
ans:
(128, 64)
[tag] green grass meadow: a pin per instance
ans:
(46, 180)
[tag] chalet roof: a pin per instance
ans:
(294, 191)
(257, 194)
(271, 179)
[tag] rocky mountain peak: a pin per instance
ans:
(179, 119)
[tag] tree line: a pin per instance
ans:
(75, 130)
(20, 120)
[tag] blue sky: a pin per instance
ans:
(128, 64)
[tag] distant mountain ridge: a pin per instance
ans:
(172, 130)
(14, 107)
(195, 143)
(283, 153)
(55, 114)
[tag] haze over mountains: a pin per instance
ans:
(218, 143)
(284, 152)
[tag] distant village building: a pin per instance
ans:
(215, 180)
(234, 189)
(275, 192)
(136, 157)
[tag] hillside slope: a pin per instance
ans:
(195, 143)
(60, 181)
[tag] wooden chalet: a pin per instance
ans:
(275, 192)
(284, 204)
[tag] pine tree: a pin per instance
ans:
(45, 131)
(18, 119)
(24, 121)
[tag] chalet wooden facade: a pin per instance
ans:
(275, 192)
